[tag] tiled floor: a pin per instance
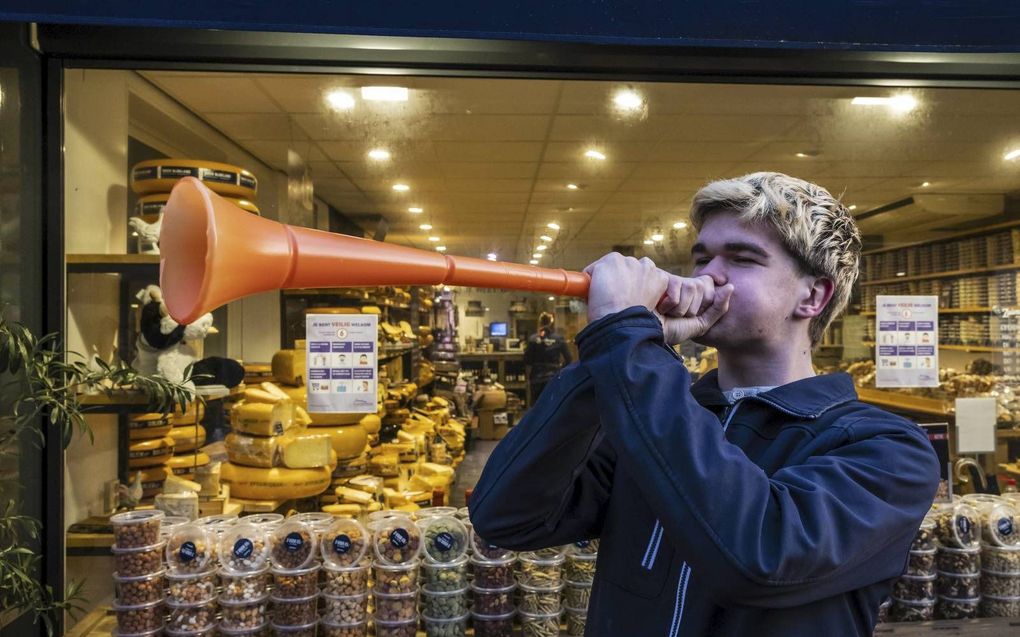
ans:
(469, 471)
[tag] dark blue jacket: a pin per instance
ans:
(788, 513)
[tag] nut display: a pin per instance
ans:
(1000, 559)
(498, 601)
(539, 573)
(170, 524)
(189, 549)
(581, 568)
(958, 527)
(351, 580)
(493, 625)
(395, 579)
(965, 561)
(914, 588)
(540, 601)
(345, 609)
(452, 627)
(576, 620)
(919, 563)
(924, 539)
(957, 586)
(950, 608)
(576, 595)
(397, 540)
(134, 591)
(192, 617)
(540, 625)
(135, 562)
(344, 543)
(293, 611)
(903, 610)
(493, 574)
(243, 548)
(1001, 525)
(139, 618)
(550, 553)
(307, 630)
(259, 631)
(445, 539)
(235, 615)
(444, 604)
(1000, 584)
(445, 577)
(296, 584)
(486, 551)
(397, 607)
(190, 588)
(245, 587)
(992, 606)
(328, 629)
(584, 547)
(292, 545)
(134, 529)
(407, 628)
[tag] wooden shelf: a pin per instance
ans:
(950, 237)
(112, 263)
(966, 348)
(984, 627)
(942, 275)
(904, 402)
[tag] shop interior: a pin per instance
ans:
(553, 173)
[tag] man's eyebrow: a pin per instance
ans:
(733, 246)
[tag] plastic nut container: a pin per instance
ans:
(293, 611)
(992, 606)
(577, 595)
(551, 553)
(903, 610)
(395, 579)
(329, 629)
(540, 572)
(267, 520)
(344, 543)
(952, 608)
(292, 546)
(190, 588)
(196, 618)
(919, 563)
(406, 628)
(540, 625)
(1000, 584)
(243, 549)
(581, 568)
(135, 529)
(482, 550)
(307, 630)
(445, 539)
(1000, 559)
(958, 586)
(440, 627)
(924, 539)
(577, 618)
(397, 540)
(540, 601)
(345, 609)
(244, 615)
(493, 625)
(445, 577)
(134, 591)
(296, 584)
(244, 587)
(144, 560)
(138, 618)
(493, 602)
(958, 527)
(187, 632)
(190, 549)
(396, 608)
(258, 631)
(914, 588)
(493, 574)
(1001, 525)
(583, 547)
(444, 604)
(351, 580)
(170, 524)
(964, 561)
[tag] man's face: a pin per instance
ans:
(767, 283)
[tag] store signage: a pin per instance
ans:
(342, 355)
(906, 341)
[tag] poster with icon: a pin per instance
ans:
(906, 341)
(342, 353)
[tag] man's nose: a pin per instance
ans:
(716, 268)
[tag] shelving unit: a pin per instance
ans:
(496, 365)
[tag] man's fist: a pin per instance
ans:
(619, 282)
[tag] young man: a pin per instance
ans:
(544, 355)
(763, 500)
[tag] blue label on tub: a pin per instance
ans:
(188, 552)
(399, 538)
(341, 544)
(963, 524)
(243, 548)
(294, 541)
(1005, 526)
(583, 544)
(444, 541)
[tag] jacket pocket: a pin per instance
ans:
(636, 554)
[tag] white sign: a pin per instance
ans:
(342, 362)
(975, 425)
(907, 341)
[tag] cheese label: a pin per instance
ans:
(243, 548)
(1005, 526)
(187, 552)
(399, 538)
(444, 541)
(341, 544)
(151, 207)
(177, 172)
(248, 181)
(149, 172)
(219, 176)
(153, 484)
(294, 542)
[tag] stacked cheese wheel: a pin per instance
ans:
(188, 435)
(153, 180)
(150, 447)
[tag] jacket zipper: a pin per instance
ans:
(685, 570)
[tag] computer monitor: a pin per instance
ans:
(498, 329)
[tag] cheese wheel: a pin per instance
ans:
(289, 367)
(160, 176)
(148, 453)
(185, 465)
(148, 426)
(149, 207)
(262, 419)
(153, 479)
(193, 413)
(352, 496)
(256, 483)
(371, 423)
(292, 450)
(187, 438)
(352, 467)
(348, 440)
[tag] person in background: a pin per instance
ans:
(544, 355)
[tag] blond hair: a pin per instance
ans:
(814, 226)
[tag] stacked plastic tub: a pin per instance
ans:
(397, 543)
(1000, 559)
(139, 573)
(958, 561)
(539, 587)
(294, 601)
(492, 588)
(343, 546)
(245, 580)
(578, 575)
(191, 581)
(444, 575)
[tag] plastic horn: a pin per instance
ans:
(212, 252)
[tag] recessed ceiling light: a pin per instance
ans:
(1011, 155)
(401, 187)
(340, 100)
(901, 274)
(572, 186)
(552, 298)
(545, 237)
(628, 100)
(440, 248)
(533, 262)
(594, 154)
(853, 207)
(384, 93)
(901, 103)
(434, 239)
(553, 226)
(925, 184)
(415, 210)
(648, 242)
(803, 155)
(425, 226)
(541, 247)
(537, 255)
(657, 236)
(379, 154)
(679, 225)
(446, 288)
(492, 256)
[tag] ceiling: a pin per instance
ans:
(489, 160)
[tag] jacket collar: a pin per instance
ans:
(805, 398)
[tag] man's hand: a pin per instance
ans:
(691, 306)
(619, 282)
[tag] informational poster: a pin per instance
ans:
(342, 362)
(906, 347)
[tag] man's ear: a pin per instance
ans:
(815, 299)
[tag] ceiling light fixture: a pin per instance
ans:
(440, 248)
(628, 100)
(853, 207)
(384, 93)
(533, 262)
(415, 210)
(679, 225)
(545, 237)
(572, 186)
(553, 226)
(901, 274)
(537, 255)
(901, 103)
(649, 242)
(594, 154)
(657, 236)
(552, 298)
(925, 184)
(541, 247)
(379, 154)
(401, 187)
(1011, 155)
(434, 239)
(425, 226)
(340, 100)
(492, 256)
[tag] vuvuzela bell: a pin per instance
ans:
(212, 252)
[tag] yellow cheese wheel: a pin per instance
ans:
(262, 419)
(185, 465)
(289, 368)
(160, 175)
(277, 483)
(150, 206)
(148, 453)
(187, 438)
(148, 426)
(348, 440)
(153, 479)
(294, 450)
(193, 413)
(370, 423)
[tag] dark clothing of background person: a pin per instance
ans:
(545, 354)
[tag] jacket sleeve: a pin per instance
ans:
(833, 523)
(547, 482)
